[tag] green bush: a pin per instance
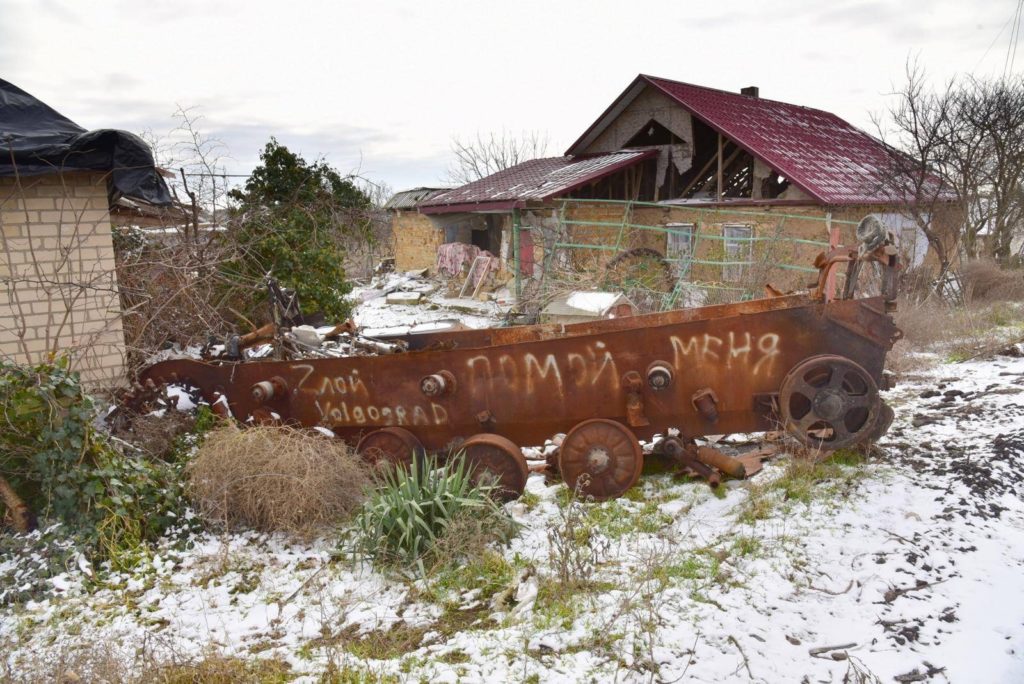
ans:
(408, 518)
(66, 470)
(291, 220)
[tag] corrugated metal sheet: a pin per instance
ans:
(408, 199)
(538, 179)
(831, 160)
(827, 157)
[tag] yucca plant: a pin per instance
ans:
(414, 507)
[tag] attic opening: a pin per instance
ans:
(653, 133)
(738, 174)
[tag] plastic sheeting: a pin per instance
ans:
(35, 139)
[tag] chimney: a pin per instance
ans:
(752, 91)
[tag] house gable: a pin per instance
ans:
(770, 150)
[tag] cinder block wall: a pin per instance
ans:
(58, 286)
(416, 241)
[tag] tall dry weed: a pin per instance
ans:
(985, 281)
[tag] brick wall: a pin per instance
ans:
(416, 241)
(59, 289)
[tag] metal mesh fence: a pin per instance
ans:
(677, 256)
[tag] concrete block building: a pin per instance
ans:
(58, 282)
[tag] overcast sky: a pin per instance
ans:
(383, 86)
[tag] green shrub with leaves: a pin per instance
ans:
(408, 519)
(291, 220)
(65, 469)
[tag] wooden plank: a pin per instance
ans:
(699, 177)
(719, 183)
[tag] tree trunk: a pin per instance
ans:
(21, 517)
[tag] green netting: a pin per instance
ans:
(631, 254)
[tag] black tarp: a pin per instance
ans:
(35, 139)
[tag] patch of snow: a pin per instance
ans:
(592, 302)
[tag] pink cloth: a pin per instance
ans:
(451, 258)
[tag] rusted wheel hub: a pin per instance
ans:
(390, 446)
(605, 454)
(598, 459)
(829, 402)
(496, 461)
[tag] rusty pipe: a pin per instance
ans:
(727, 464)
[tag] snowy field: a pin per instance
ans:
(907, 568)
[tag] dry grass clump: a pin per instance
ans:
(275, 479)
(953, 333)
(984, 281)
(221, 670)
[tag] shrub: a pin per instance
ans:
(291, 221)
(275, 479)
(64, 469)
(984, 281)
(417, 513)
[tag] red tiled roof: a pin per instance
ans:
(823, 155)
(537, 179)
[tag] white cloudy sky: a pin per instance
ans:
(383, 86)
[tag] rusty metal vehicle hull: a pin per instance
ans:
(711, 370)
(808, 363)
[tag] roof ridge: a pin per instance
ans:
(649, 77)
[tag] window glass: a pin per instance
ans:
(679, 248)
(739, 251)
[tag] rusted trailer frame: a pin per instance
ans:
(808, 362)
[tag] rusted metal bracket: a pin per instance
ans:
(633, 385)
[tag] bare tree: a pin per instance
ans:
(168, 265)
(994, 110)
(959, 162)
(917, 127)
(482, 156)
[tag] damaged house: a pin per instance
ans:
(59, 184)
(679, 161)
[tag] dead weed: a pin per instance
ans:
(275, 479)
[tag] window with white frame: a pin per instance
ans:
(739, 251)
(679, 247)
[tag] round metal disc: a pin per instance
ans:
(389, 446)
(829, 402)
(497, 461)
(603, 452)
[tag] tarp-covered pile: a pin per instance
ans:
(35, 139)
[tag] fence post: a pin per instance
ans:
(516, 256)
(833, 242)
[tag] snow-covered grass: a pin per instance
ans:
(914, 558)
(902, 566)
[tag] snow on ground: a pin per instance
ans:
(907, 569)
(375, 313)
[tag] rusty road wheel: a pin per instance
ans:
(605, 453)
(829, 402)
(882, 423)
(389, 446)
(497, 461)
